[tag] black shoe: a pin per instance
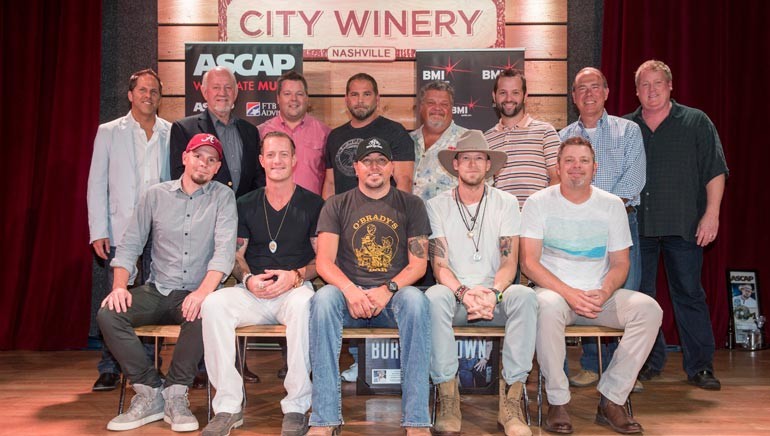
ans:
(200, 381)
(705, 380)
(282, 372)
(106, 382)
(647, 373)
(249, 377)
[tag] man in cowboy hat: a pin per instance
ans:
(474, 249)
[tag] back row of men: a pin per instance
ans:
(575, 241)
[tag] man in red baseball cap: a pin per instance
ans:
(192, 222)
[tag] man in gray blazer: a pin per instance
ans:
(130, 154)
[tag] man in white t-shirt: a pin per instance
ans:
(574, 246)
(474, 249)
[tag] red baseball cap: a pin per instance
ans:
(202, 139)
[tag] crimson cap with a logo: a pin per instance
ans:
(373, 145)
(202, 139)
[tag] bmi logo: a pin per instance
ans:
(253, 109)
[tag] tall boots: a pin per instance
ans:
(511, 417)
(448, 417)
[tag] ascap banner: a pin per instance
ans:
(472, 73)
(256, 67)
(354, 30)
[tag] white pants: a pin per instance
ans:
(225, 310)
(633, 311)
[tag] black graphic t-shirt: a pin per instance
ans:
(294, 249)
(373, 233)
(343, 141)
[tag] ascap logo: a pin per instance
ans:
(247, 64)
(200, 106)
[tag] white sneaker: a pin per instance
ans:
(146, 407)
(177, 410)
(350, 375)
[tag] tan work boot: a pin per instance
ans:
(323, 431)
(448, 417)
(510, 417)
(417, 431)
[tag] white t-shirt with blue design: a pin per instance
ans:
(577, 238)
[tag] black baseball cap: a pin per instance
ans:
(373, 145)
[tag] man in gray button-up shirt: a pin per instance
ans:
(193, 222)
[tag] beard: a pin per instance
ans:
(201, 179)
(362, 113)
(510, 113)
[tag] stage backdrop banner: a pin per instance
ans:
(472, 73)
(375, 30)
(256, 66)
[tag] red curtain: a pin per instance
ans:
(717, 51)
(50, 80)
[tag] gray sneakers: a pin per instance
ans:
(146, 407)
(294, 424)
(177, 410)
(222, 423)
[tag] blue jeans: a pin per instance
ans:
(683, 261)
(590, 359)
(409, 311)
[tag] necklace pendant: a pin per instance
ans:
(470, 234)
(273, 246)
(477, 256)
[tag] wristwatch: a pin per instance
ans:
(392, 286)
(498, 295)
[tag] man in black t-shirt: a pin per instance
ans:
(362, 99)
(372, 245)
(275, 257)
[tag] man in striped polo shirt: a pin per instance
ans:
(531, 145)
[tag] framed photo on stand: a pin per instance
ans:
(746, 320)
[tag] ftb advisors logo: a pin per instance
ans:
(261, 109)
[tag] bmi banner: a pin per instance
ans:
(472, 73)
(256, 67)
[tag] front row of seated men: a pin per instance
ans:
(372, 245)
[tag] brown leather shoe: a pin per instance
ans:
(615, 417)
(558, 420)
(248, 376)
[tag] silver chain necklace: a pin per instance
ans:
(472, 219)
(272, 245)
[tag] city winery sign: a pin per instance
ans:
(355, 30)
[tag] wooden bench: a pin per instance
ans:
(279, 331)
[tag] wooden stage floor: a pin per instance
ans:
(49, 393)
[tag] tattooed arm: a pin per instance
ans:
(241, 267)
(418, 262)
(439, 257)
(509, 259)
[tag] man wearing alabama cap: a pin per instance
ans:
(193, 223)
(474, 249)
(372, 246)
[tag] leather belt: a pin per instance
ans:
(630, 209)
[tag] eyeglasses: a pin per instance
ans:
(380, 162)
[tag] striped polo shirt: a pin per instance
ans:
(531, 146)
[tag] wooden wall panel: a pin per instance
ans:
(542, 41)
(325, 78)
(332, 110)
(536, 11)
